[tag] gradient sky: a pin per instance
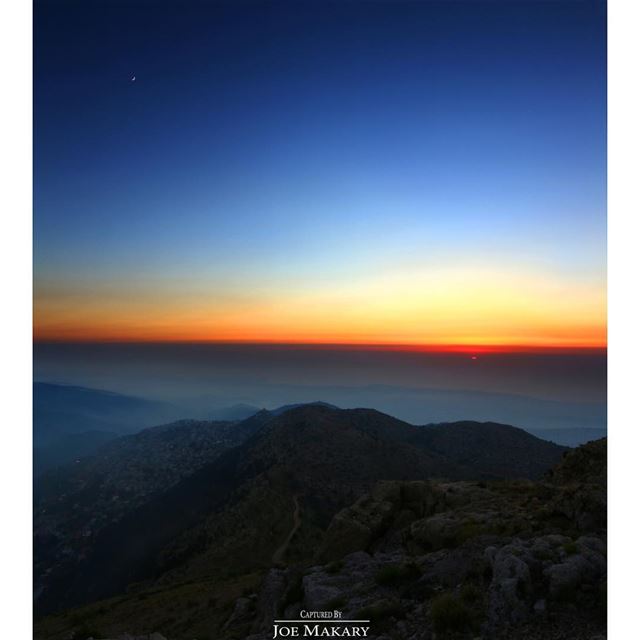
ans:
(376, 172)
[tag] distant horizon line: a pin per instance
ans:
(350, 346)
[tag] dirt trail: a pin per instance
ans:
(278, 556)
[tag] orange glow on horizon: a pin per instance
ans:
(453, 309)
(473, 349)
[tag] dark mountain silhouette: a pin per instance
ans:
(493, 449)
(500, 559)
(287, 407)
(209, 499)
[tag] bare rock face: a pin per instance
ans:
(355, 527)
(437, 531)
(319, 592)
(448, 568)
(527, 574)
(242, 612)
(271, 596)
(326, 586)
(582, 475)
(584, 568)
(438, 514)
(510, 586)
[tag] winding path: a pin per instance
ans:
(279, 554)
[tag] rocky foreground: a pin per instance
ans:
(492, 560)
(430, 560)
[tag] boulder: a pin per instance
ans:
(436, 531)
(510, 587)
(575, 570)
(271, 595)
(318, 591)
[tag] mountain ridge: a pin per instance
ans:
(326, 456)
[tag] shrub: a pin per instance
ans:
(450, 614)
(467, 531)
(470, 593)
(570, 548)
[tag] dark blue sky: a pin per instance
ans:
(269, 148)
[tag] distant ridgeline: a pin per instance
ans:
(73, 422)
